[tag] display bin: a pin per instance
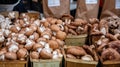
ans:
(15, 63)
(46, 62)
(77, 62)
(35, 15)
(6, 13)
(76, 40)
(111, 64)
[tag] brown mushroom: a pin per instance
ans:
(53, 44)
(22, 54)
(34, 55)
(11, 56)
(61, 35)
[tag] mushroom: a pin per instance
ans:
(34, 55)
(110, 54)
(103, 26)
(29, 44)
(22, 31)
(21, 38)
(28, 31)
(60, 42)
(2, 38)
(46, 35)
(53, 44)
(6, 32)
(77, 51)
(13, 48)
(33, 27)
(46, 24)
(67, 18)
(72, 31)
(34, 36)
(59, 21)
(37, 22)
(111, 37)
(79, 22)
(61, 35)
(24, 22)
(70, 56)
(15, 28)
(3, 51)
(53, 21)
(115, 45)
(44, 54)
(41, 29)
(87, 58)
(55, 28)
(42, 41)
(11, 56)
(36, 46)
(22, 54)
(93, 21)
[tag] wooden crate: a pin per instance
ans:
(7, 12)
(35, 15)
(76, 40)
(15, 63)
(78, 63)
(47, 63)
(111, 64)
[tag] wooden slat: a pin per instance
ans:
(76, 40)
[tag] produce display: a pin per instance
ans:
(86, 53)
(52, 37)
(44, 39)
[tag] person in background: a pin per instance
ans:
(100, 8)
(36, 5)
(21, 7)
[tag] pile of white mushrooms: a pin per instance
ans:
(39, 39)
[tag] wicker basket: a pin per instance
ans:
(111, 64)
(15, 63)
(35, 15)
(46, 63)
(76, 40)
(6, 13)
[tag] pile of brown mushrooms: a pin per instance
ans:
(86, 53)
(98, 27)
(74, 27)
(108, 44)
(108, 47)
(114, 24)
(43, 38)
